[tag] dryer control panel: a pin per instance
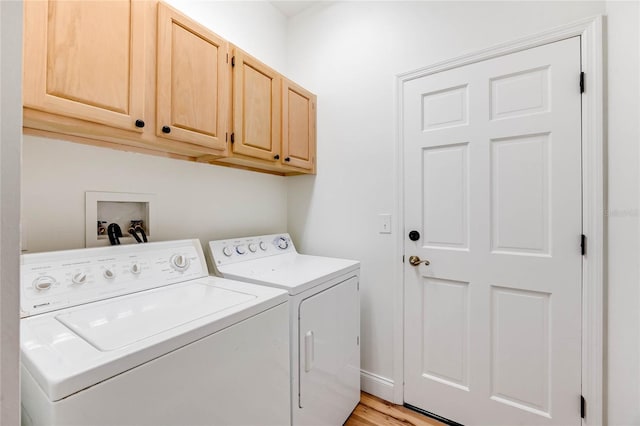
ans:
(225, 252)
(55, 280)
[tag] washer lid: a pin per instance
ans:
(70, 350)
(118, 323)
(291, 271)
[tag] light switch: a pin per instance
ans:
(384, 223)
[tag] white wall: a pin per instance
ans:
(193, 200)
(349, 54)
(623, 115)
(10, 132)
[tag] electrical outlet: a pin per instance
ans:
(384, 223)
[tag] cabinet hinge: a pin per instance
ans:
(403, 258)
(226, 136)
(233, 137)
(227, 58)
(358, 341)
(583, 407)
(583, 244)
(582, 82)
(233, 61)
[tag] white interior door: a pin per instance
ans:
(492, 155)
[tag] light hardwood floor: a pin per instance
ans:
(374, 411)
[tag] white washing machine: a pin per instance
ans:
(141, 335)
(325, 320)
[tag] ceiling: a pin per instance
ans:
(292, 8)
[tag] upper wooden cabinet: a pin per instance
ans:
(139, 75)
(85, 60)
(256, 108)
(193, 81)
(298, 126)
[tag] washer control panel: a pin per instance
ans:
(225, 252)
(60, 279)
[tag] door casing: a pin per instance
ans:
(590, 31)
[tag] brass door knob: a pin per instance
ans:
(415, 261)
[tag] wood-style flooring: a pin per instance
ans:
(375, 411)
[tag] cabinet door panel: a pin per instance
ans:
(85, 60)
(193, 90)
(298, 126)
(256, 110)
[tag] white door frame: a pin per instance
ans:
(590, 31)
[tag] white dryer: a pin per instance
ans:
(140, 334)
(324, 314)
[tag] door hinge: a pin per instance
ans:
(583, 244)
(227, 58)
(403, 258)
(582, 82)
(233, 137)
(358, 341)
(233, 61)
(226, 136)
(583, 407)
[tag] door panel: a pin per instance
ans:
(193, 90)
(329, 330)
(256, 108)
(86, 60)
(493, 183)
(298, 126)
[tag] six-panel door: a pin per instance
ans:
(85, 60)
(492, 181)
(193, 90)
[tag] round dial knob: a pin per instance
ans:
(282, 243)
(241, 249)
(263, 246)
(227, 251)
(79, 278)
(253, 248)
(179, 262)
(43, 283)
(109, 274)
(135, 268)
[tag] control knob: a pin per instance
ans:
(241, 249)
(263, 246)
(79, 278)
(179, 262)
(43, 283)
(109, 274)
(253, 248)
(135, 269)
(227, 251)
(282, 243)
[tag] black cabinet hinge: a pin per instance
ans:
(226, 136)
(583, 407)
(233, 137)
(583, 244)
(233, 61)
(582, 82)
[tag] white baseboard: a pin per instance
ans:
(376, 385)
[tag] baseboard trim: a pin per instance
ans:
(376, 385)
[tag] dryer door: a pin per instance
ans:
(329, 349)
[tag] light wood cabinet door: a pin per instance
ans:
(193, 81)
(256, 108)
(298, 126)
(85, 59)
